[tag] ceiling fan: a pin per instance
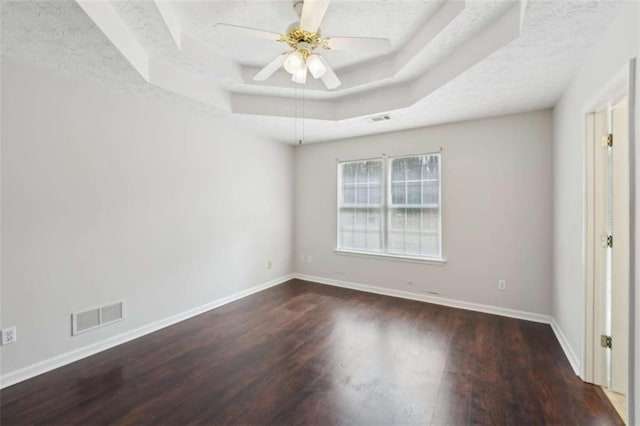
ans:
(304, 37)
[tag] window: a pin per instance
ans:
(391, 206)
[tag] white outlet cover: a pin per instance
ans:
(9, 335)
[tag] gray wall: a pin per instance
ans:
(108, 197)
(497, 206)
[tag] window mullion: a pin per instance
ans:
(439, 157)
(366, 220)
(421, 206)
(354, 219)
(406, 203)
(386, 196)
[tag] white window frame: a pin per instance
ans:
(386, 184)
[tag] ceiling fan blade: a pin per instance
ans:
(312, 13)
(358, 43)
(330, 79)
(272, 67)
(237, 30)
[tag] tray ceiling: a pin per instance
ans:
(450, 60)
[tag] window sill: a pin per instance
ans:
(396, 257)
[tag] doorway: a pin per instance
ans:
(608, 250)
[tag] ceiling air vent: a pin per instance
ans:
(376, 118)
(97, 317)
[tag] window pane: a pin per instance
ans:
(375, 171)
(430, 192)
(412, 244)
(414, 168)
(347, 240)
(398, 193)
(360, 220)
(359, 240)
(375, 193)
(349, 195)
(396, 242)
(346, 228)
(362, 194)
(398, 170)
(430, 220)
(348, 173)
(361, 172)
(375, 218)
(397, 218)
(431, 167)
(414, 190)
(360, 226)
(374, 233)
(413, 220)
(430, 245)
(415, 182)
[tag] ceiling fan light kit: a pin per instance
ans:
(316, 67)
(300, 75)
(295, 60)
(300, 61)
(304, 38)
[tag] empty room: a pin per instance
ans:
(319, 212)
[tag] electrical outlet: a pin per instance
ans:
(269, 265)
(502, 285)
(9, 335)
(302, 259)
(309, 259)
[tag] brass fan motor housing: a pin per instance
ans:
(298, 35)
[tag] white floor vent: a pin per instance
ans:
(97, 317)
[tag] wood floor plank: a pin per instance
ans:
(305, 353)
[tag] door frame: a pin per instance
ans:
(621, 85)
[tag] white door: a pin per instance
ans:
(600, 128)
(619, 293)
(610, 258)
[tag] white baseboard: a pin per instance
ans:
(77, 354)
(566, 347)
(470, 306)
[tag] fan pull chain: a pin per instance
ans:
(295, 114)
(299, 137)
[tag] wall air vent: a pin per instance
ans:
(377, 118)
(97, 317)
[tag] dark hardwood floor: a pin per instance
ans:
(304, 353)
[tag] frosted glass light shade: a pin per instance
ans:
(294, 61)
(316, 66)
(300, 76)
(288, 67)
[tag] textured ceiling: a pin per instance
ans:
(529, 72)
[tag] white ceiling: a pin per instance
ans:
(449, 61)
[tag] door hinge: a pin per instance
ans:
(607, 140)
(605, 341)
(609, 240)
